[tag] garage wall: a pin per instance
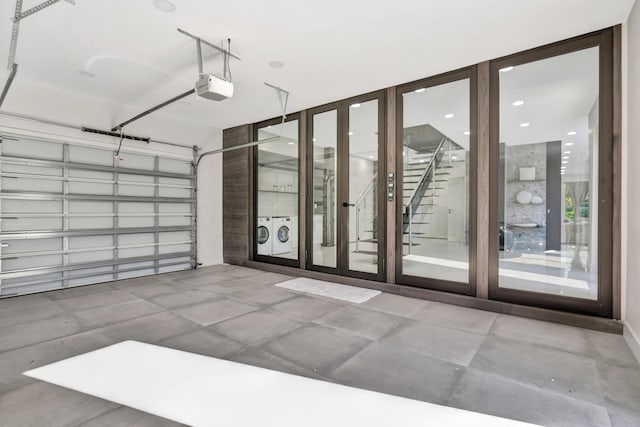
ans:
(41, 101)
(631, 157)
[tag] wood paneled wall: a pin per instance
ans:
(235, 195)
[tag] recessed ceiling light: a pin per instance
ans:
(518, 103)
(525, 125)
(371, 157)
(86, 74)
(421, 161)
(350, 133)
(466, 132)
(567, 152)
(356, 105)
(314, 140)
(276, 64)
(564, 162)
(569, 144)
(454, 157)
(292, 143)
(420, 90)
(448, 116)
(565, 158)
(164, 5)
(505, 69)
(571, 133)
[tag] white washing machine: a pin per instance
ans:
(283, 236)
(264, 235)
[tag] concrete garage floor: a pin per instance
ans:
(501, 365)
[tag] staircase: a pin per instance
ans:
(424, 182)
(430, 157)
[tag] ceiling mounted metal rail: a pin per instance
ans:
(152, 109)
(218, 48)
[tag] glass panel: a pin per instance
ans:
(363, 185)
(277, 231)
(435, 182)
(325, 139)
(548, 175)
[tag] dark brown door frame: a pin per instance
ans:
(603, 305)
(424, 282)
(342, 186)
(254, 196)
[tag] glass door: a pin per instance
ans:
(436, 166)
(345, 228)
(552, 138)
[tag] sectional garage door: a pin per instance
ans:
(74, 215)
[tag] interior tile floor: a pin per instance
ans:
(533, 371)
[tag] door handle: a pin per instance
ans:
(347, 204)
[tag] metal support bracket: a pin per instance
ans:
(19, 16)
(38, 8)
(218, 48)
(7, 85)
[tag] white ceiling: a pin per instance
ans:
(330, 49)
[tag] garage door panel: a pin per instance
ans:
(103, 219)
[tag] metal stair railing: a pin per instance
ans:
(420, 189)
(371, 186)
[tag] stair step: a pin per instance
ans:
(443, 173)
(360, 251)
(368, 240)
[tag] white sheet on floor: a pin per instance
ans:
(203, 391)
(329, 289)
(514, 274)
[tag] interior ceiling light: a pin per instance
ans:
(276, 64)
(314, 140)
(565, 158)
(356, 105)
(421, 160)
(569, 144)
(350, 133)
(448, 116)
(164, 5)
(466, 132)
(571, 133)
(518, 103)
(420, 90)
(505, 69)
(86, 74)
(291, 143)
(371, 157)
(564, 162)
(525, 125)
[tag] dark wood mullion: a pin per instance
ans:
(342, 185)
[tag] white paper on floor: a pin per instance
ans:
(329, 289)
(203, 391)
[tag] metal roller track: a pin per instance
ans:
(38, 271)
(84, 166)
(49, 234)
(26, 195)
